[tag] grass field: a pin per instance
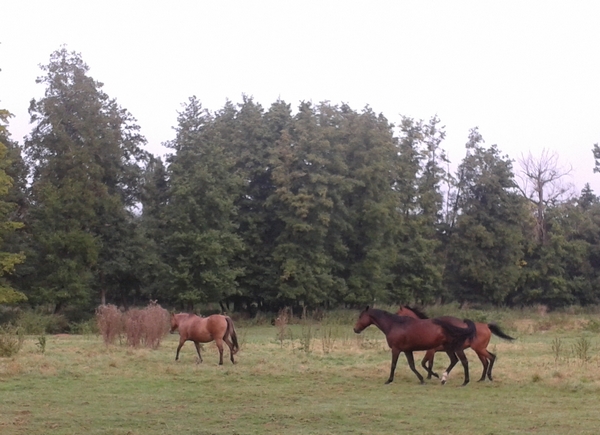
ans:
(311, 378)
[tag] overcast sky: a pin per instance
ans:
(527, 73)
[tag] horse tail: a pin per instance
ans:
(232, 334)
(457, 334)
(495, 329)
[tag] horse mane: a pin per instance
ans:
(420, 314)
(391, 316)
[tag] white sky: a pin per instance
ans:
(527, 73)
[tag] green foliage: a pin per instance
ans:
(201, 241)
(581, 349)
(486, 243)
(261, 209)
(86, 154)
(8, 260)
(38, 322)
(41, 343)
(11, 340)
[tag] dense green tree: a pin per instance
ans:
(369, 219)
(419, 266)
(253, 142)
(565, 270)
(545, 277)
(302, 203)
(8, 226)
(153, 271)
(201, 243)
(485, 246)
(87, 157)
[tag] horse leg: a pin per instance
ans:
(230, 346)
(428, 358)
(395, 354)
(219, 343)
(198, 350)
(465, 364)
(484, 361)
(492, 360)
(453, 361)
(411, 364)
(181, 343)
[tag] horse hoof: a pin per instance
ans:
(387, 382)
(436, 375)
(444, 382)
(464, 384)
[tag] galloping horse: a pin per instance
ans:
(405, 334)
(479, 343)
(204, 330)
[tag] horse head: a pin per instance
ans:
(174, 323)
(364, 320)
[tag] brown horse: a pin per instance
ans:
(204, 330)
(405, 334)
(479, 344)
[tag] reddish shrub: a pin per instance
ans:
(146, 326)
(110, 322)
(156, 325)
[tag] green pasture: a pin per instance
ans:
(306, 378)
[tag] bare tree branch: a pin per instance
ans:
(541, 182)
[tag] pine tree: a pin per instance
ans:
(419, 266)
(302, 202)
(486, 246)
(86, 155)
(201, 243)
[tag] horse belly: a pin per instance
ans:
(201, 337)
(427, 338)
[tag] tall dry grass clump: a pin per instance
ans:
(134, 326)
(110, 322)
(281, 322)
(157, 323)
(11, 340)
(146, 327)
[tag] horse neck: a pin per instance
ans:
(181, 318)
(381, 319)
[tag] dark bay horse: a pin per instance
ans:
(204, 330)
(479, 344)
(406, 334)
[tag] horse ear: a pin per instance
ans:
(367, 309)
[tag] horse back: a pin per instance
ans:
(417, 334)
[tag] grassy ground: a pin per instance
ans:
(305, 379)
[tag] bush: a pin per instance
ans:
(146, 326)
(11, 340)
(110, 322)
(134, 326)
(37, 322)
(156, 324)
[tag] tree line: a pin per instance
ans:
(257, 209)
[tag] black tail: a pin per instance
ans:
(232, 334)
(457, 334)
(497, 331)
